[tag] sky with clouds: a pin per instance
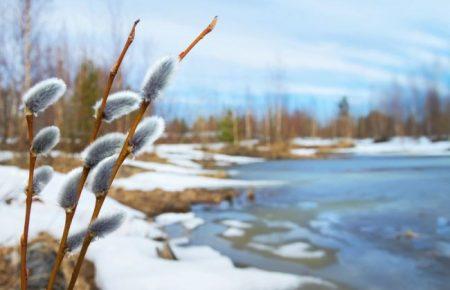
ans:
(319, 49)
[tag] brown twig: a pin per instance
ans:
(126, 150)
(202, 34)
(62, 250)
(98, 121)
(87, 240)
(24, 239)
(112, 75)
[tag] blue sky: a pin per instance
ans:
(323, 49)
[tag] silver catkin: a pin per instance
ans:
(42, 176)
(150, 129)
(45, 140)
(68, 194)
(74, 241)
(44, 94)
(157, 78)
(102, 148)
(106, 225)
(101, 175)
(119, 104)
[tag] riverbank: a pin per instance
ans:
(159, 191)
(176, 172)
(369, 222)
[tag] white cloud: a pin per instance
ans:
(425, 39)
(349, 43)
(326, 91)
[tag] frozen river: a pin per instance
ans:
(359, 222)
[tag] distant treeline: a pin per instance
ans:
(425, 115)
(28, 56)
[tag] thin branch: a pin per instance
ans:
(62, 250)
(98, 121)
(202, 34)
(81, 255)
(126, 150)
(24, 239)
(112, 75)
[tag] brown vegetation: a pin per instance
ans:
(62, 163)
(42, 252)
(159, 201)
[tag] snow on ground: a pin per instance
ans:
(176, 152)
(126, 259)
(131, 263)
(167, 168)
(233, 232)
(396, 146)
(297, 250)
(6, 155)
(314, 142)
(304, 151)
(176, 182)
(236, 224)
(235, 228)
(188, 220)
(399, 146)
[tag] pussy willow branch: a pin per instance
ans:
(98, 121)
(112, 75)
(24, 239)
(126, 150)
(68, 222)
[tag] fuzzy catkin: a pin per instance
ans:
(68, 195)
(45, 140)
(74, 241)
(150, 129)
(44, 94)
(157, 78)
(42, 176)
(102, 148)
(119, 104)
(105, 225)
(101, 176)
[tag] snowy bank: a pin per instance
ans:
(174, 182)
(395, 146)
(399, 146)
(127, 258)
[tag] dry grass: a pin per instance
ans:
(63, 163)
(273, 151)
(152, 157)
(159, 201)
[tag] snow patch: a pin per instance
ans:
(6, 155)
(147, 181)
(188, 220)
(236, 224)
(297, 250)
(304, 151)
(233, 232)
(399, 146)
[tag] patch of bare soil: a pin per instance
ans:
(63, 163)
(273, 151)
(41, 254)
(152, 157)
(159, 201)
(127, 171)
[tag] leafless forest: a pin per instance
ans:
(28, 55)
